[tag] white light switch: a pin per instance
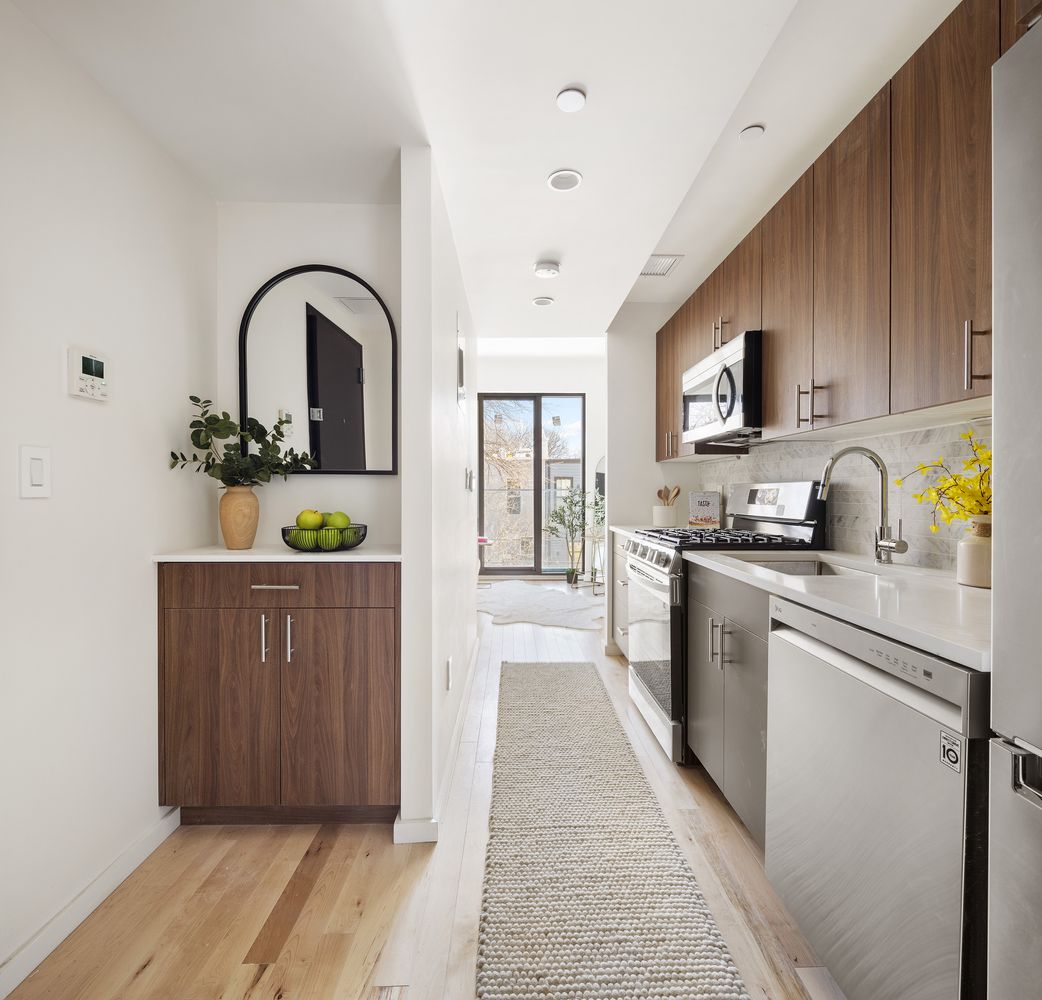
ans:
(35, 471)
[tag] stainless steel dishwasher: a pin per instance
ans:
(877, 807)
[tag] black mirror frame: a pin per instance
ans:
(244, 327)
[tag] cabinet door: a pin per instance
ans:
(220, 708)
(667, 392)
(852, 269)
(788, 307)
(740, 288)
(941, 212)
(745, 727)
(338, 707)
(705, 692)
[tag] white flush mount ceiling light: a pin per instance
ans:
(571, 99)
(542, 300)
(754, 131)
(547, 269)
(565, 179)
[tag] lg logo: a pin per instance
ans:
(951, 751)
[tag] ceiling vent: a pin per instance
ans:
(659, 265)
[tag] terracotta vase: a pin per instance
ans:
(239, 512)
(973, 556)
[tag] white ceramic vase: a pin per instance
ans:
(973, 557)
(663, 516)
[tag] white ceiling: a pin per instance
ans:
(829, 59)
(662, 79)
(310, 100)
(264, 100)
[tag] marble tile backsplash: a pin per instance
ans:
(853, 499)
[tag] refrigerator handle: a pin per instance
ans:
(1021, 785)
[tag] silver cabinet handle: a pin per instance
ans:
(289, 638)
(968, 333)
(622, 583)
(274, 586)
(712, 636)
(721, 658)
(800, 392)
(621, 632)
(264, 638)
(722, 321)
(715, 345)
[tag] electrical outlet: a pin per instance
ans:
(448, 674)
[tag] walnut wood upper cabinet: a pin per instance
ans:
(279, 686)
(788, 310)
(667, 392)
(852, 269)
(941, 213)
(1017, 17)
(738, 288)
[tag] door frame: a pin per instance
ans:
(536, 398)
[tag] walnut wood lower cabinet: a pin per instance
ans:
(274, 711)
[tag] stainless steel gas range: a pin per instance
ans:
(759, 516)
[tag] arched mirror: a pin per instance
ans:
(318, 344)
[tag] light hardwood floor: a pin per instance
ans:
(280, 913)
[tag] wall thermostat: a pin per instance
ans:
(88, 375)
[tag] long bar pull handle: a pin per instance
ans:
(720, 646)
(969, 376)
(289, 638)
(264, 638)
(722, 321)
(622, 583)
(274, 586)
(712, 636)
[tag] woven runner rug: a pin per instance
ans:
(586, 895)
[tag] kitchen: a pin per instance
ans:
(775, 264)
(836, 688)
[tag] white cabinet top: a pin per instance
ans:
(923, 608)
(365, 552)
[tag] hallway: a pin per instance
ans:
(339, 911)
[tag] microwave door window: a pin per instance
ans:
(699, 410)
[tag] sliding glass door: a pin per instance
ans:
(532, 451)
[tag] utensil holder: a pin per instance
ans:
(663, 516)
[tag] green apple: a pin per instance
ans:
(309, 519)
(329, 539)
(325, 518)
(305, 539)
(338, 520)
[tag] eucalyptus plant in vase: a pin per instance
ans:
(240, 459)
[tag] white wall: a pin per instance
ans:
(257, 241)
(108, 244)
(439, 526)
(556, 374)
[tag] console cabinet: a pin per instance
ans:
(278, 690)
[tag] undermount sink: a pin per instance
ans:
(810, 567)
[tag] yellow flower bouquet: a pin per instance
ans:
(957, 496)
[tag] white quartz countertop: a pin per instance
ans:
(365, 552)
(923, 608)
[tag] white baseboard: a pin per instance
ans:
(415, 831)
(16, 966)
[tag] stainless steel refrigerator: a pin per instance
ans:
(1015, 805)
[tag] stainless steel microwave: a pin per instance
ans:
(723, 395)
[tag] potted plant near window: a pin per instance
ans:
(223, 457)
(568, 521)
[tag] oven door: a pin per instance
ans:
(652, 677)
(721, 398)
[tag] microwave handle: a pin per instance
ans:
(716, 393)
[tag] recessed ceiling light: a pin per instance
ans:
(571, 99)
(753, 131)
(547, 269)
(565, 179)
(542, 300)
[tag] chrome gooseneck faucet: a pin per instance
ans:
(886, 544)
